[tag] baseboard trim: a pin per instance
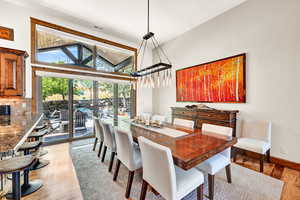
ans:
(285, 163)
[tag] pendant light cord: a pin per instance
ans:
(148, 16)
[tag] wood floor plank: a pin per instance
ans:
(290, 177)
(291, 190)
(59, 177)
(277, 171)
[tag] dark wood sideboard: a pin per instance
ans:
(211, 116)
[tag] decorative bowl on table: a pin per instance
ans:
(151, 123)
(156, 124)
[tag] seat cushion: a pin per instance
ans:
(16, 164)
(187, 181)
(64, 122)
(30, 145)
(39, 127)
(40, 133)
(254, 145)
(214, 164)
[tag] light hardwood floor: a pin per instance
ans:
(60, 181)
(290, 177)
(59, 177)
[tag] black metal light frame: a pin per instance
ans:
(160, 66)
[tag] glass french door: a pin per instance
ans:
(105, 102)
(126, 108)
(70, 105)
(54, 99)
(83, 108)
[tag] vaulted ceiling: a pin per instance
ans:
(127, 18)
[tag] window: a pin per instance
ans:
(58, 46)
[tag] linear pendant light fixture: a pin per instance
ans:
(158, 74)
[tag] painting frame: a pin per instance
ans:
(6, 33)
(243, 55)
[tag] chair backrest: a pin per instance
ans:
(80, 119)
(260, 130)
(125, 151)
(109, 136)
(98, 129)
(160, 118)
(158, 168)
(221, 130)
(184, 122)
(64, 115)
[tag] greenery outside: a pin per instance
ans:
(57, 89)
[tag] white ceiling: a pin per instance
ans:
(127, 18)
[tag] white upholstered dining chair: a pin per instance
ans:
(159, 171)
(218, 161)
(98, 135)
(184, 122)
(128, 153)
(255, 137)
(109, 142)
(160, 118)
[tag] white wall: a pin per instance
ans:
(18, 18)
(269, 32)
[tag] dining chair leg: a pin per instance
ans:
(2, 184)
(100, 148)
(268, 156)
(2, 177)
(129, 183)
(104, 152)
(200, 192)
(111, 162)
(228, 173)
(235, 152)
(117, 170)
(211, 186)
(95, 143)
(144, 190)
(261, 165)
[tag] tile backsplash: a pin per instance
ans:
(19, 107)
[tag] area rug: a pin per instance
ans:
(96, 182)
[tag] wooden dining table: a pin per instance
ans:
(189, 147)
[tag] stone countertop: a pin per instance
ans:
(15, 130)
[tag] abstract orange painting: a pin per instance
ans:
(218, 81)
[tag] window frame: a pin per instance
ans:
(34, 22)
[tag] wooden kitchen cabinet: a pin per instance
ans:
(12, 72)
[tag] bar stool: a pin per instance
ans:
(37, 136)
(14, 166)
(40, 127)
(4, 156)
(29, 187)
